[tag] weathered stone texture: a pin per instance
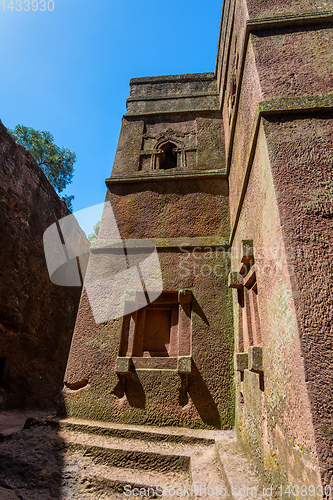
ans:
(250, 96)
(173, 93)
(188, 200)
(189, 105)
(268, 8)
(36, 317)
(286, 63)
(267, 190)
(159, 397)
(275, 408)
(177, 208)
(302, 174)
(274, 65)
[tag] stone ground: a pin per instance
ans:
(44, 458)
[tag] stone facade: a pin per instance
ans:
(230, 176)
(158, 364)
(36, 317)
(274, 71)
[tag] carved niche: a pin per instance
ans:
(171, 150)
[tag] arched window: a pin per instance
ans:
(169, 156)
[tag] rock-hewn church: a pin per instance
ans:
(229, 176)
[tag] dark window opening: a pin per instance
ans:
(156, 337)
(153, 332)
(2, 367)
(169, 156)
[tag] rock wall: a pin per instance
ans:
(274, 70)
(36, 317)
(244, 166)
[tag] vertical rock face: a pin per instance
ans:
(274, 71)
(237, 164)
(169, 362)
(36, 317)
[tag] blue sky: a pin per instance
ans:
(68, 71)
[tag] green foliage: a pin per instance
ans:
(93, 236)
(56, 163)
(68, 200)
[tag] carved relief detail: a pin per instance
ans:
(168, 134)
(169, 151)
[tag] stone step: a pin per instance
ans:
(98, 487)
(139, 432)
(240, 474)
(128, 444)
(101, 459)
(95, 478)
(145, 461)
(131, 476)
(188, 457)
(179, 466)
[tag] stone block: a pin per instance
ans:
(123, 365)
(247, 251)
(235, 280)
(184, 364)
(241, 361)
(255, 359)
(184, 296)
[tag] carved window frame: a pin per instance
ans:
(131, 354)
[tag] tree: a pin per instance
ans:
(56, 163)
(92, 237)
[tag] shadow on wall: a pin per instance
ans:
(191, 386)
(202, 399)
(132, 388)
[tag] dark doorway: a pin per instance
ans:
(169, 156)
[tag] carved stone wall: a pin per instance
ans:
(210, 166)
(170, 361)
(36, 317)
(274, 70)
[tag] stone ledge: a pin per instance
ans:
(289, 20)
(123, 365)
(155, 363)
(172, 96)
(173, 78)
(179, 176)
(235, 280)
(296, 104)
(194, 104)
(201, 244)
(184, 364)
(241, 361)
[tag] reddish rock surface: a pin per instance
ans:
(36, 317)
(274, 70)
(180, 366)
(239, 161)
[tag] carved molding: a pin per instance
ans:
(168, 134)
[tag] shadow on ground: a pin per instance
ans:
(31, 458)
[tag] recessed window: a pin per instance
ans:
(169, 156)
(155, 335)
(160, 335)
